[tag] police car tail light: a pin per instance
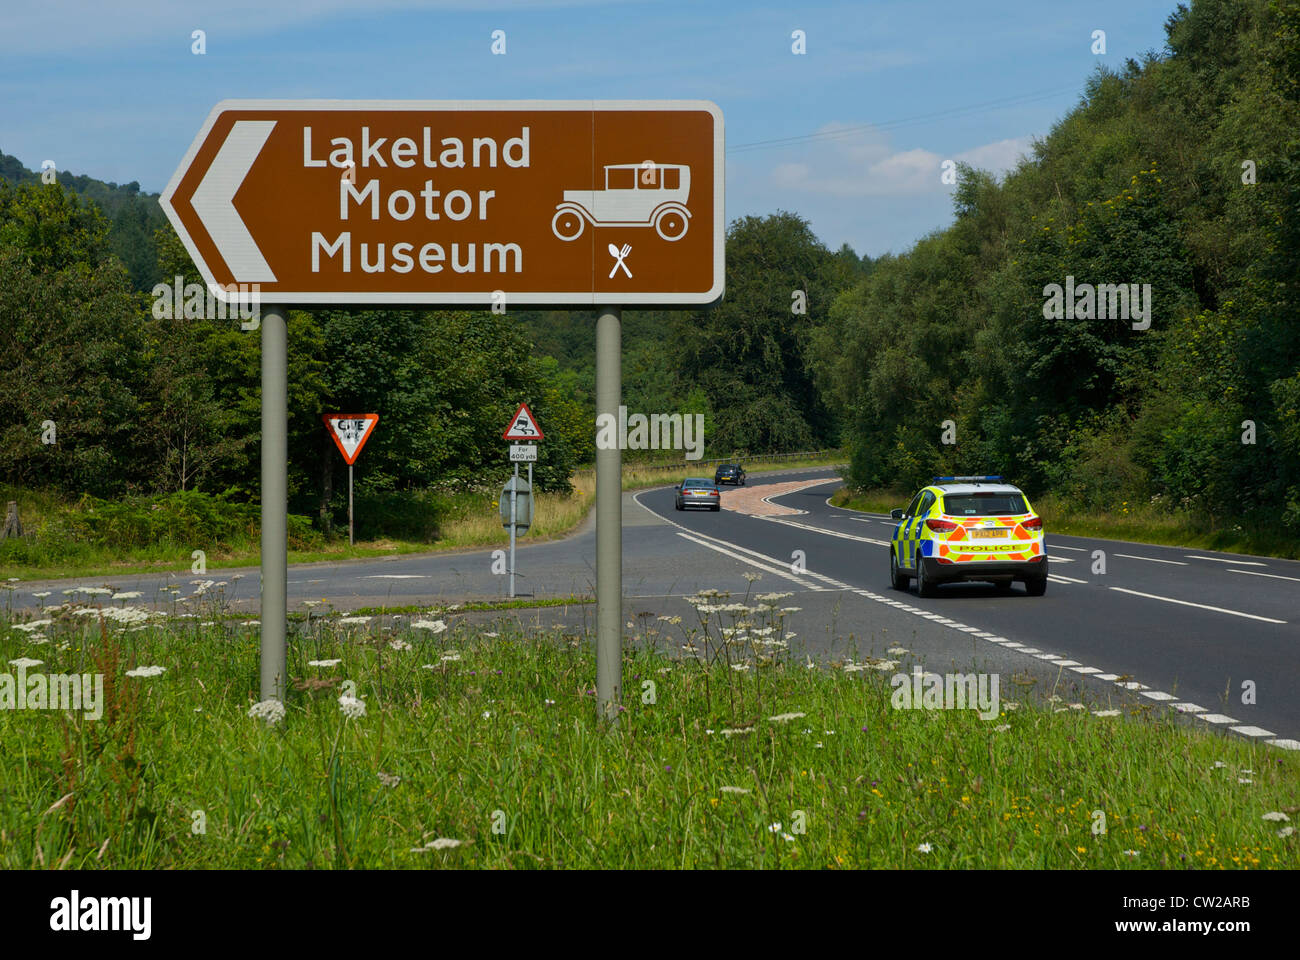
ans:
(1034, 523)
(941, 526)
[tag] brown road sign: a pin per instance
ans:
(474, 203)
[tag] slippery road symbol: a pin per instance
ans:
(618, 256)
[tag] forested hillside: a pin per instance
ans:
(1179, 174)
(134, 217)
(1182, 172)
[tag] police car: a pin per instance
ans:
(968, 528)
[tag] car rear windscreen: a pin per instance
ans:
(984, 504)
(699, 483)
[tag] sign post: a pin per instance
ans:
(350, 432)
(609, 518)
(275, 501)
(566, 203)
(523, 426)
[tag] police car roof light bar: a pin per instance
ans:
(967, 479)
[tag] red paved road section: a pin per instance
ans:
(752, 500)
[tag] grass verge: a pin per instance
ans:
(481, 748)
(61, 546)
(1131, 522)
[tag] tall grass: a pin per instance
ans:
(90, 537)
(728, 753)
(1146, 522)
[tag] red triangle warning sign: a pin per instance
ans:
(523, 426)
(350, 432)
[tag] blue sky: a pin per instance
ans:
(112, 90)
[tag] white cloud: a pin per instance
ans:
(851, 162)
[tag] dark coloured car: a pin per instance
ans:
(730, 473)
(698, 493)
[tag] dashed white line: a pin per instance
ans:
(1053, 546)
(1247, 731)
(772, 565)
(1256, 573)
(1200, 606)
(753, 563)
(1063, 579)
(1129, 556)
(1240, 563)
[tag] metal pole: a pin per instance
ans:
(609, 517)
(275, 500)
(351, 540)
(514, 504)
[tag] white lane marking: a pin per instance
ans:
(823, 530)
(1059, 578)
(752, 562)
(395, 576)
(1054, 546)
(1129, 556)
(1200, 606)
(1247, 731)
(1256, 573)
(773, 565)
(1064, 560)
(1240, 563)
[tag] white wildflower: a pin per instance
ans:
(146, 671)
(437, 626)
(272, 711)
(352, 707)
(325, 663)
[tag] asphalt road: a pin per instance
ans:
(1174, 627)
(1183, 627)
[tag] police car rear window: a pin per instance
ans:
(984, 504)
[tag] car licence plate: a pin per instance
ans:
(985, 534)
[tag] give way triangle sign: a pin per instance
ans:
(350, 432)
(523, 426)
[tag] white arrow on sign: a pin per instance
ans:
(214, 201)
